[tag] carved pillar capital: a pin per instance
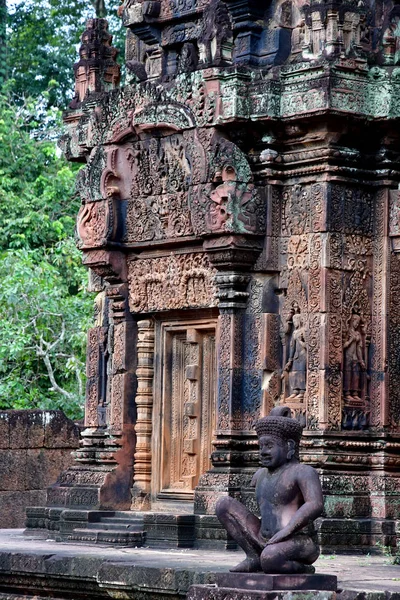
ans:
(232, 289)
(233, 252)
(108, 264)
(232, 256)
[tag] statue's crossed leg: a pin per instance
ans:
(293, 555)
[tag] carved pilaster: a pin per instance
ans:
(235, 446)
(144, 406)
(102, 475)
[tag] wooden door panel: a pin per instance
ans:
(187, 407)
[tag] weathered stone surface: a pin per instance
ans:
(58, 570)
(35, 446)
(204, 592)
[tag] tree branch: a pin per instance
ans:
(53, 381)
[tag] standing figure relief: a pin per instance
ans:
(354, 362)
(296, 365)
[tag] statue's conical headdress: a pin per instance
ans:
(280, 424)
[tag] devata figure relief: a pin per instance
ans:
(296, 365)
(354, 364)
(289, 497)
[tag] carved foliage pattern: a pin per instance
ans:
(378, 351)
(231, 203)
(394, 341)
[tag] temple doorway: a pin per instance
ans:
(184, 407)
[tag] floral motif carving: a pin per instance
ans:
(231, 203)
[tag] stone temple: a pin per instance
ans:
(240, 219)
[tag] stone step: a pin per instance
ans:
(112, 526)
(122, 520)
(100, 536)
(127, 514)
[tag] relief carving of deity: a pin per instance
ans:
(354, 362)
(295, 370)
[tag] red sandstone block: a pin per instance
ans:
(36, 467)
(36, 424)
(13, 505)
(60, 432)
(4, 429)
(12, 470)
(44, 466)
(18, 421)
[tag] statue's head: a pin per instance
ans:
(279, 436)
(297, 321)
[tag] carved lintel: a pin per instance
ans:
(172, 281)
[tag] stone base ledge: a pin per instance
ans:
(212, 592)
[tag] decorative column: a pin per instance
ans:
(144, 406)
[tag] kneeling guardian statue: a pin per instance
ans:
(289, 497)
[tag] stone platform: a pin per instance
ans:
(31, 566)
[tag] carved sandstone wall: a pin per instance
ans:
(35, 446)
(239, 201)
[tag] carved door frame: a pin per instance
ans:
(164, 329)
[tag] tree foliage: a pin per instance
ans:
(44, 307)
(3, 33)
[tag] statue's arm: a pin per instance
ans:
(256, 476)
(310, 487)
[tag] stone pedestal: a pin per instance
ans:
(258, 586)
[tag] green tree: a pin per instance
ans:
(3, 47)
(45, 310)
(44, 307)
(42, 337)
